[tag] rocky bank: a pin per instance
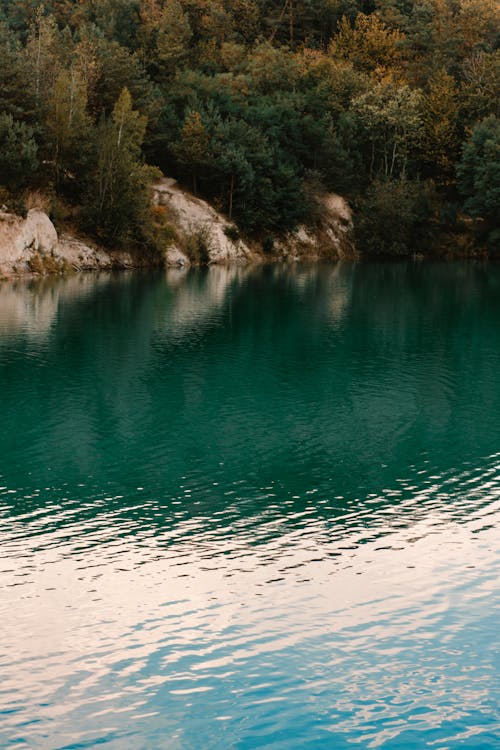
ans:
(194, 218)
(32, 244)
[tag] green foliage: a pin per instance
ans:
(68, 124)
(118, 68)
(16, 94)
(391, 122)
(244, 100)
(173, 38)
(232, 233)
(117, 201)
(18, 153)
(479, 175)
(193, 147)
(342, 160)
(41, 53)
(441, 139)
(394, 218)
(198, 245)
(118, 20)
(367, 42)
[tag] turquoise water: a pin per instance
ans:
(251, 509)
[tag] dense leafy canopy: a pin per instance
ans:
(249, 103)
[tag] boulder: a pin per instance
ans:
(32, 245)
(20, 238)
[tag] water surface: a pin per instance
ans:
(251, 509)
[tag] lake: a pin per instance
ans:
(251, 508)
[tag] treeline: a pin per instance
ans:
(258, 106)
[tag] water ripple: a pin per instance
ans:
(231, 524)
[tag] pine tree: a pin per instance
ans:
(174, 34)
(18, 152)
(479, 175)
(193, 147)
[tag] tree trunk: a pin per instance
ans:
(231, 192)
(393, 160)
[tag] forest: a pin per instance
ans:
(258, 106)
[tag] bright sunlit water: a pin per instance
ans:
(251, 509)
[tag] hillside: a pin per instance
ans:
(262, 108)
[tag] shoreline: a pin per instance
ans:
(31, 247)
(197, 235)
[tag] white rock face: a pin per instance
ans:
(176, 258)
(332, 238)
(32, 243)
(339, 224)
(20, 237)
(194, 216)
(84, 256)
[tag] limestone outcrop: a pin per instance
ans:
(199, 227)
(32, 245)
(19, 238)
(330, 238)
(196, 222)
(202, 236)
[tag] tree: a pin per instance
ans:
(479, 175)
(299, 21)
(174, 34)
(480, 87)
(271, 69)
(478, 22)
(231, 160)
(441, 140)
(116, 69)
(433, 38)
(391, 118)
(18, 152)
(368, 43)
(68, 122)
(394, 218)
(86, 61)
(118, 196)
(41, 53)
(16, 92)
(341, 156)
(246, 15)
(118, 20)
(193, 147)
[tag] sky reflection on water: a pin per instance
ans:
(245, 509)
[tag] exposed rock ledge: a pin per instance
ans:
(32, 245)
(191, 216)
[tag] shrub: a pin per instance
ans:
(18, 152)
(479, 176)
(198, 245)
(394, 218)
(268, 245)
(232, 233)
